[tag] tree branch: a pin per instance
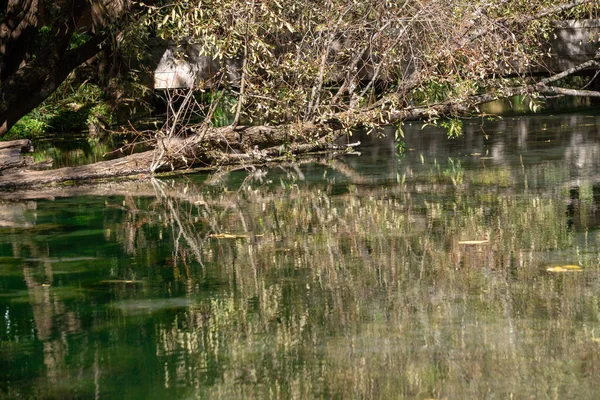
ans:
(571, 71)
(566, 92)
(556, 10)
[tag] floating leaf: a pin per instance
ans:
(230, 236)
(474, 242)
(564, 268)
(226, 236)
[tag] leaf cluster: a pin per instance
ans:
(307, 60)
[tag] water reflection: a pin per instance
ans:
(68, 149)
(420, 275)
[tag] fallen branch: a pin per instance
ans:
(183, 154)
(128, 166)
(10, 154)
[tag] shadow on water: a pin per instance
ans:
(426, 274)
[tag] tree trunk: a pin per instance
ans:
(33, 64)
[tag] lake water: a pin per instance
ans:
(464, 268)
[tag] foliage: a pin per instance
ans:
(71, 108)
(31, 125)
(453, 126)
(307, 60)
(43, 41)
(284, 61)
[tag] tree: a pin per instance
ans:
(337, 64)
(302, 60)
(42, 41)
(311, 70)
(306, 61)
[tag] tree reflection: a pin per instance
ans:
(326, 279)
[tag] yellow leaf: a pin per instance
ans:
(289, 26)
(226, 236)
(564, 268)
(474, 242)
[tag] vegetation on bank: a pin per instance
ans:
(69, 110)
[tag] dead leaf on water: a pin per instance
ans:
(230, 236)
(571, 267)
(596, 339)
(474, 242)
(564, 268)
(226, 236)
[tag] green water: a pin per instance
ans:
(346, 278)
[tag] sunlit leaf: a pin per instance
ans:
(226, 236)
(564, 268)
(474, 242)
